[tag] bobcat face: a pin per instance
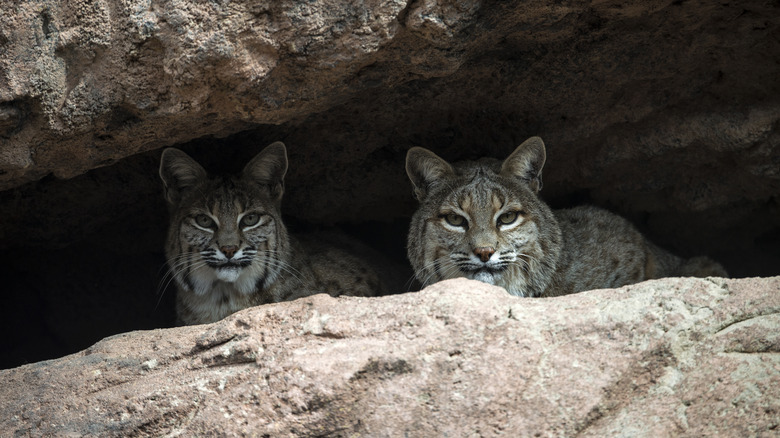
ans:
(229, 239)
(225, 230)
(482, 236)
(483, 221)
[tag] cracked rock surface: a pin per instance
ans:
(670, 357)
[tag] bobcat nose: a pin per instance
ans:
(484, 252)
(229, 250)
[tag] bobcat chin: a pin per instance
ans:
(483, 220)
(228, 248)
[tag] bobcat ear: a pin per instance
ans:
(179, 172)
(425, 169)
(526, 163)
(268, 168)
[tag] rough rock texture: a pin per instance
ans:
(89, 82)
(671, 84)
(673, 357)
(665, 111)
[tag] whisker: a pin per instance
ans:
(171, 275)
(445, 267)
(282, 264)
(408, 284)
(286, 267)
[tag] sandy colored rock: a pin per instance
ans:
(90, 82)
(672, 357)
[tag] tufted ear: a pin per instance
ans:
(179, 172)
(268, 168)
(526, 163)
(425, 169)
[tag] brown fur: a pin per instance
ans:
(484, 220)
(228, 248)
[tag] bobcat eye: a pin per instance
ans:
(507, 218)
(455, 220)
(204, 221)
(250, 219)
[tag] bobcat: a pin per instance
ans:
(483, 220)
(228, 249)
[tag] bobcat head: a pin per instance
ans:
(225, 229)
(483, 220)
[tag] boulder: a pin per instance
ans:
(91, 82)
(670, 357)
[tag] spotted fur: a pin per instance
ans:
(228, 248)
(484, 220)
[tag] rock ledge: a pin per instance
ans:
(668, 357)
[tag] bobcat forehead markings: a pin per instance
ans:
(484, 220)
(228, 249)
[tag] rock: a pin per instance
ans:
(106, 79)
(663, 109)
(666, 112)
(92, 82)
(670, 357)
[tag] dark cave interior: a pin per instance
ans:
(83, 258)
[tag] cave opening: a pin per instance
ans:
(83, 258)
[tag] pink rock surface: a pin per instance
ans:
(671, 357)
